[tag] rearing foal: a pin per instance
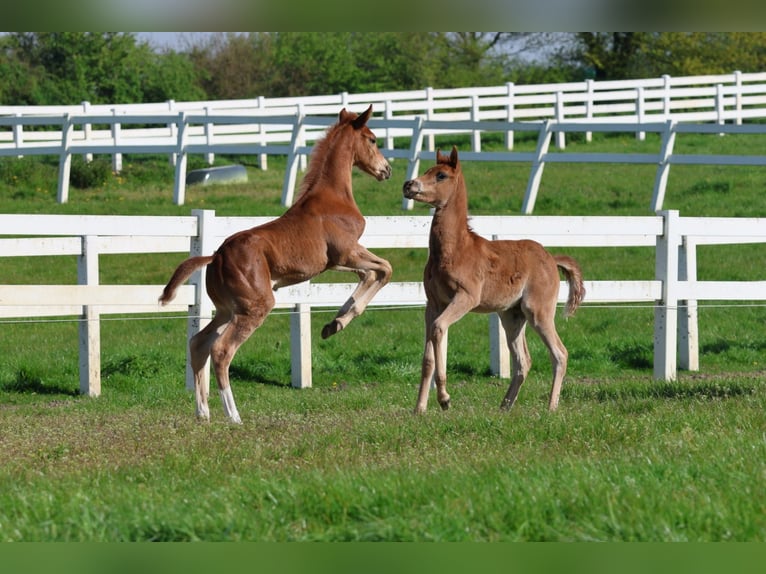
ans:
(319, 231)
(518, 280)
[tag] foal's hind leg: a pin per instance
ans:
(546, 328)
(515, 324)
(199, 351)
(223, 350)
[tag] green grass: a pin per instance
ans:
(625, 458)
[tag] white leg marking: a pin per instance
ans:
(229, 408)
(203, 413)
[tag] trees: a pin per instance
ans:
(302, 63)
(71, 67)
(114, 67)
(621, 55)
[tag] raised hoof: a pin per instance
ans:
(330, 329)
(445, 405)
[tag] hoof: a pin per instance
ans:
(445, 405)
(331, 329)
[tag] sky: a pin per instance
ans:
(173, 40)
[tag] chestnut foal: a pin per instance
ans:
(518, 280)
(319, 231)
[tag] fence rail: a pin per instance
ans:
(288, 126)
(673, 291)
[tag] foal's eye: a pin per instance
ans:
(441, 176)
(373, 141)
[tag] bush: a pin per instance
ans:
(95, 173)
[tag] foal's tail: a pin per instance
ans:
(573, 275)
(181, 274)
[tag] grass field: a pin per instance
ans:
(625, 458)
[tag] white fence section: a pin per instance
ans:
(287, 126)
(674, 290)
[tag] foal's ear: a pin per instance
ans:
(362, 118)
(344, 115)
(454, 161)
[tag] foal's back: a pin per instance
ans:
(501, 272)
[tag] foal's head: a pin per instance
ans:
(367, 155)
(437, 185)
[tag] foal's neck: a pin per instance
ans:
(329, 171)
(449, 228)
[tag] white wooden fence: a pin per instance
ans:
(674, 290)
(287, 126)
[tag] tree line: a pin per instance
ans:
(60, 68)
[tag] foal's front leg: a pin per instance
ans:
(374, 273)
(429, 363)
(438, 333)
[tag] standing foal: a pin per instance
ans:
(319, 231)
(518, 280)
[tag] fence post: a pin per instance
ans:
(666, 96)
(18, 133)
(65, 160)
(640, 111)
(688, 334)
(87, 129)
(300, 346)
(201, 312)
(430, 116)
(738, 96)
(499, 353)
(179, 188)
(291, 171)
(510, 115)
(476, 134)
(263, 159)
(209, 156)
(560, 136)
(720, 108)
(303, 158)
(116, 133)
(416, 147)
(172, 127)
(663, 167)
(388, 114)
(589, 106)
(543, 143)
(90, 322)
(666, 310)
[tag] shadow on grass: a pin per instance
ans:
(632, 355)
(722, 346)
(29, 384)
(713, 388)
(253, 374)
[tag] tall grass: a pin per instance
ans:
(625, 458)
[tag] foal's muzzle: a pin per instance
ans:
(384, 173)
(411, 189)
